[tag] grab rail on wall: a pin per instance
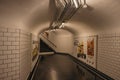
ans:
(93, 71)
(98, 75)
(32, 73)
(88, 68)
(49, 41)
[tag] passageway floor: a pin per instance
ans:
(57, 67)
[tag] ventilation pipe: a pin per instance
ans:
(65, 9)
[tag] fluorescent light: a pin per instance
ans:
(75, 2)
(85, 6)
(62, 25)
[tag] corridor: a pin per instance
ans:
(59, 39)
(56, 67)
(63, 67)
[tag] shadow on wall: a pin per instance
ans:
(52, 11)
(79, 29)
(40, 16)
(70, 30)
(88, 22)
(95, 19)
(39, 21)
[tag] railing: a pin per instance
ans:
(49, 41)
(31, 75)
(97, 74)
(93, 71)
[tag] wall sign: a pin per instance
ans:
(35, 45)
(87, 50)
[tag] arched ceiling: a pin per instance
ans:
(100, 15)
(25, 14)
(35, 15)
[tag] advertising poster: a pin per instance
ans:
(87, 50)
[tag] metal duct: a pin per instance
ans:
(65, 9)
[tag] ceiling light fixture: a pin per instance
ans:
(85, 4)
(62, 25)
(65, 10)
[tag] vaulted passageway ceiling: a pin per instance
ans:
(35, 15)
(102, 15)
(25, 14)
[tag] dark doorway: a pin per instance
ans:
(44, 47)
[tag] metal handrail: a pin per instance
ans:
(49, 41)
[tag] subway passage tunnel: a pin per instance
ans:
(61, 66)
(83, 43)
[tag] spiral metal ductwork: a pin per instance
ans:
(65, 9)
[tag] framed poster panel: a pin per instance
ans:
(91, 51)
(81, 49)
(87, 50)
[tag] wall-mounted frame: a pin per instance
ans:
(92, 51)
(87, 50)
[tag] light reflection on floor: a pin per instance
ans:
(53, 74)
(60, 67)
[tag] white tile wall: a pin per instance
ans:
(14, 54)
(25, 56)
(109, 54)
